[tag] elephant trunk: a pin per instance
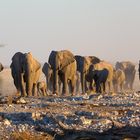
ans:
(29, 83)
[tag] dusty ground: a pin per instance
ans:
(100, 117)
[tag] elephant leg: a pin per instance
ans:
(86, 86)
(121, 87)
(44, 91)
(65, 86)
(91, 85)
(22, 86)
(83, 83)
(110, 86)
(131, 84)
(98, 90)
(77, 86)
(104, 88)
(34, 91)
(73, 85)
(16, 83)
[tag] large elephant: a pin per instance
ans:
(32, 72)
(25, 71)
(83, 64)
(129, 70)
(64, 66)
(18, 73)
(105, 65)
(1, 67)
(118, 79)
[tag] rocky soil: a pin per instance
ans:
(99, 117)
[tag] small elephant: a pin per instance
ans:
(118, 79)
(105, 65)
(42, 88)
(48, 72)
(99, 77)
(129, 70)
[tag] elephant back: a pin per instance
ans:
(125, 65)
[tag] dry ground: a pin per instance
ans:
(99, 117)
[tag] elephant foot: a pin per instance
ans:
(35, 94)
(73, 94)
(23, 95)
(29, 95)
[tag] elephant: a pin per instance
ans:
(83, 64)
(42, 88)
(99, 77)
(1, 67)
(64, 67)
(118, 79)
(32, 72)
(18, 73)
(48, 72)
(129, 70)
(25, 71)
(105, 65)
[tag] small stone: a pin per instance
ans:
(7, 122)
(86, 121)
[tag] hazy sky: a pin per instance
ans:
(109, 29)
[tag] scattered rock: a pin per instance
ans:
(7, 122)
(19, 101)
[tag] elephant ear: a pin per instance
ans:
(66, 58)
(46, 68)
(79, 59)
(51, 59)
(35, 63)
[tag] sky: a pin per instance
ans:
(108, 29)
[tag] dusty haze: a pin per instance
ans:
(104, 28)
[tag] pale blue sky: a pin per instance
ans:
(109, 29)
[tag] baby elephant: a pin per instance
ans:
(118, 79)
(42, 88)
(100, 78)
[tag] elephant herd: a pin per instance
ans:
(68, 73)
